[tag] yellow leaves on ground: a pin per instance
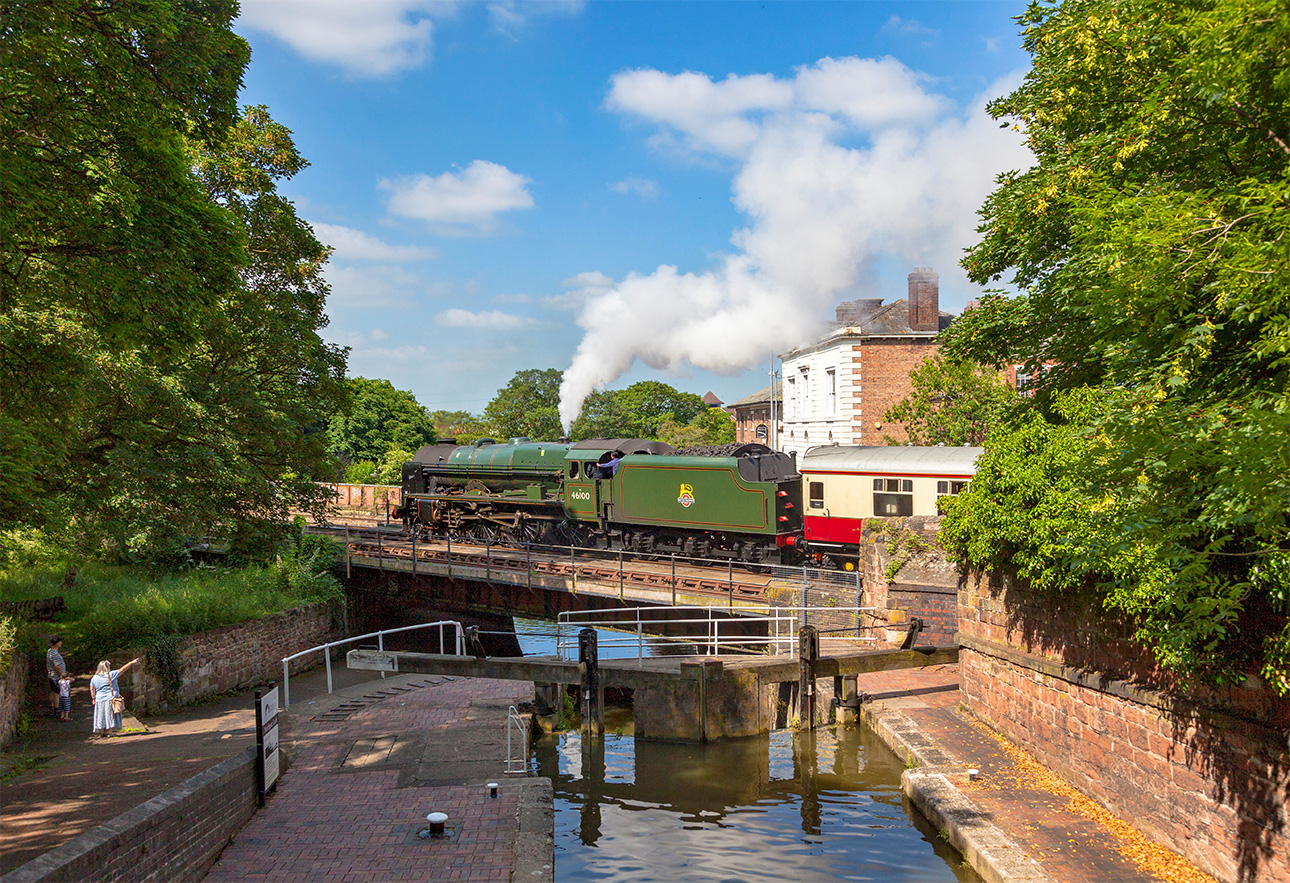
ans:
(1133, 845)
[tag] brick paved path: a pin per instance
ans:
(1071, 847)
(365, 774)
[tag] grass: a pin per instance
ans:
(115, 608)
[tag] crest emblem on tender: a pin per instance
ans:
(687, 496)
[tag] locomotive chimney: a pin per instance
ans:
(924, 300)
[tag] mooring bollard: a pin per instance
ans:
(808, 652)
(592, 705)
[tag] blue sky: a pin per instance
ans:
(627, 190)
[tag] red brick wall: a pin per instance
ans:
(235, 657)
(13, 694)
(176, 836)
(884, 367)
(1204, 772)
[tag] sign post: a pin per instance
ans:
(268, 759)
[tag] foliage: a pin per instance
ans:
(1151, 239)
(360, 472)
(380, 418)
(953, 402)
(526, 407)
(111, 609)
(159, 362)
(8, 641)
(639, 411)
(390, 469)
(165, 662)
(710, 427)
(464, 426)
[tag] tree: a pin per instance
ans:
(1150, 240)
(380, 418)
(953, 402)
(603, 416)
(464, 426)
(712, 427)
(526, 407)
(160, 370)
(635, 412)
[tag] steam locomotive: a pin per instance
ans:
(738, 502)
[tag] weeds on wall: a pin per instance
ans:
(902, 545)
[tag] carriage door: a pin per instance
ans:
(815, 499)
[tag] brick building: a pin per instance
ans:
(752, 416)
(836, 389)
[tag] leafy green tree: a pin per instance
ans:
(603, 416)
(464, 426)
(526, 407)
(390, 469)
(635, 412)
(711, 427)
(1150, 240)
(110, 250)
(380, 418)
(360, 472)
(953, 402)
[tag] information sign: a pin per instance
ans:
(268, 757)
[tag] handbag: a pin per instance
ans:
(118, 704)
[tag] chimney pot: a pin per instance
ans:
(924, 300)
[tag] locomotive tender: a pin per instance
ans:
(745, 504)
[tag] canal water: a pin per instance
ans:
(788, 806)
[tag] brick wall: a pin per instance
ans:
(1203, 771)
(174, 837)
(364, 501)
(884, 366)
(924, 586)
(235, 657)
(13, 694)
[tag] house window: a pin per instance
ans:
(831, 391)
(806, 390)
(792, 397)
(817, 494)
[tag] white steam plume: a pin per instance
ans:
(848, 160)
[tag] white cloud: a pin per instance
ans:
(645, 188)
(489, 320)
(510, 16)
(379, 286)
(355, 245)
(464, 201)
(910, 27)
(373, 38)
(849, 162)
(579, 289)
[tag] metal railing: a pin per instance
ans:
(517, 755)
(703, 628)
(802, 578)
(459, 649)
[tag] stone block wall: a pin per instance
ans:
(1204, 772)
(13, 694)
(176, 836)
(235, 657)
(925, 583)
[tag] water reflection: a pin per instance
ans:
(806, 806)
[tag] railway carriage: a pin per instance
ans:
(844, 486)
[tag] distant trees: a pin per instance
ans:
(379, 419)
(526, 406)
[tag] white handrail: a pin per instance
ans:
(781, 627)
(459, 649)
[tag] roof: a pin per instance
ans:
(762, 396)
(888, 320)
(710, 399)
(907, 459)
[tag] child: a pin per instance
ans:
(64, 699)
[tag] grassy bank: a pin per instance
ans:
(116, 608)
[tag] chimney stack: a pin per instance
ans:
(924, 300)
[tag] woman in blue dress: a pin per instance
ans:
(103, 687)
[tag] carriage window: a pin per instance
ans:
(817, 494)
(951, 488)
(885, 505)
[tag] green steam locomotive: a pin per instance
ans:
(740, 502)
